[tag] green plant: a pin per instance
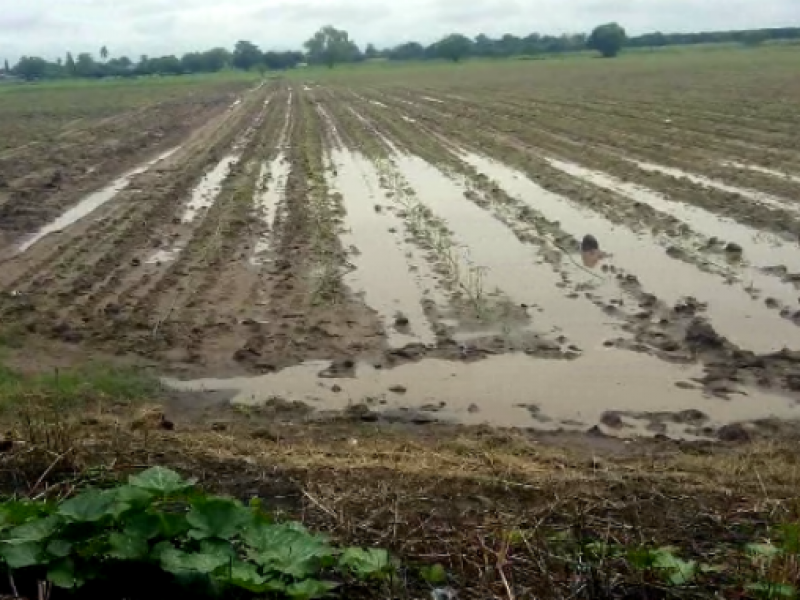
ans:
(159, 520)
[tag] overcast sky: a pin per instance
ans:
(134, 27)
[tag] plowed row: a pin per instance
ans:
(432, 234)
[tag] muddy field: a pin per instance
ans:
(409, 249)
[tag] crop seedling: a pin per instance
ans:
(161, 521)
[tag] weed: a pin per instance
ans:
(161, 523)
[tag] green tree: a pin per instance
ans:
(70, 65)
(330, 46)
(85, 66)
(453, 47)
(6, 68)
(607, 39)
(31, 67)
(104, 53)
(246, 55)
(370, 52)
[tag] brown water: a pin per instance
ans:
(382, 260)
(205, 193)
(761, 249)
(266, 203)
(510, 265)
(756, 196)
(510, 390)
(92, 202)
(764, 170)
(743, 320)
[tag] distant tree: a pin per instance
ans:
(607, 39)
(216, 59)
(754, 38)
(104, 53)
(246, 55)
(6, 68)
(370, 52)
(69, 65)
(31, 67)
(453, 47)
(407, 51)
(330, 46)
(85, 65)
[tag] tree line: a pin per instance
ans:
(330, 46)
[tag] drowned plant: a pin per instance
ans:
(161, 521)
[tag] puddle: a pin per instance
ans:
(92, 202)
(746, 322)
(511, 265)
(205, 192)
(163, 256)
(429, 99)
(235, 104)
(408, 119)
(760, 169)
(761, 249)
(382, 266)
(555, 394)
(266, 203)
(754, 195)
(377, 103)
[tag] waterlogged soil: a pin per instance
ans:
(365, 255)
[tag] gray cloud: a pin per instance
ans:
(135, 27)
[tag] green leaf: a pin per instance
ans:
(159, 480)
(310, 589)
(790, 538)
(217, 517)
(59, 548)
(88, 507)
(17, 512)
(773, 590)
(26, 554)
(365, 563)
(35, 531)
(176, 561)
(245, 576)
(143, 525)
(767, 551)
(127, 547)
(132, 495)
(434, 574)
(287, 549)
(679, 572)
(62, 574)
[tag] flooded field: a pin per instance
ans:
(413, 253)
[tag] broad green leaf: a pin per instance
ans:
(640, 558)
(310, 589)
(132, 495)
(245, 576)
(59, 548)
(159, 480)
(219, 548)
(679, 572)
(217, 518)
(17, 512)
(26, 554)
(434, 574)
(365, 563)
(88, 507)
(127, 547)
(176, 561)
(773, 590)
(767, 551)
(35, 531)
(172, 525)
(287, 550)
(143, 525)
(62, 574)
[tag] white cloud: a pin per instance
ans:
(135, 27)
